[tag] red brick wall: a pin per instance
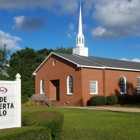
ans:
(60, 72)
(112, 78)
(108, 81)
(91, 75)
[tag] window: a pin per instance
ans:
(93, 87)
(42, 86)
(54, 62)
(69, 85)
(138, 85)
(123, 84)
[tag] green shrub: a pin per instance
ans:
(121, 99)
(36, 125)
(137, 98)
(25, 133)
(30, 103)
(130, 99)
(111, 100)
(51, 120)
(97, 100)
(24, 98)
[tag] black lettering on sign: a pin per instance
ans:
(3, 112)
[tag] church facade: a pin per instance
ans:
(71, 79)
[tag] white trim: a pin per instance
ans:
(113, 68)
(125, 69)
(34, 73)
(41, 86)
(96, 86)
(68, 93)
(92, 67)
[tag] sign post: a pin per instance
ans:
(10, 103)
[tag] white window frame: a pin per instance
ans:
(96, 86)
(69, 93)
(138, 85)
(125, 86)
(42, 86)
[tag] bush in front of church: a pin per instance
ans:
(111, 100)
(50, 120)
(97, 100)
(26, 133)
(36, 125)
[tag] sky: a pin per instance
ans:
(111, 27)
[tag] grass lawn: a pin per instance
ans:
(81, 124)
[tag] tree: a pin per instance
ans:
(64, 50)
(45, 52)
(25, 62)
(4, 62)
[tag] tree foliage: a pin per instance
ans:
(25, 63)
(4, 62)
(64, 50)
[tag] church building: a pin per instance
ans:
(71, 79)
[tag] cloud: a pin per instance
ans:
(57, 6)
(113, 18)
(125, 59)
(71, 27)
(11, 41)
(117, 19)
(23, 23)
(134, 60)
(71, 33)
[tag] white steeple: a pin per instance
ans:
(80, 37)
(80, 49)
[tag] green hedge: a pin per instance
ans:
(26, 133)
(137, 98)
(97, 100)
(51, 120)
(111, 100)
(36, 125)
(128, 99)
(114, 99)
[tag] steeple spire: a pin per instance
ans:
(80, 36)
(80, 48)
(80, 22)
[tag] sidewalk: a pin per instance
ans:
(118, 109)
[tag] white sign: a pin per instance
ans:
(10, 103)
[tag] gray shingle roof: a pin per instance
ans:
(92, 61)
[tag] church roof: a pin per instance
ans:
(99, 62)
(95, 62)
